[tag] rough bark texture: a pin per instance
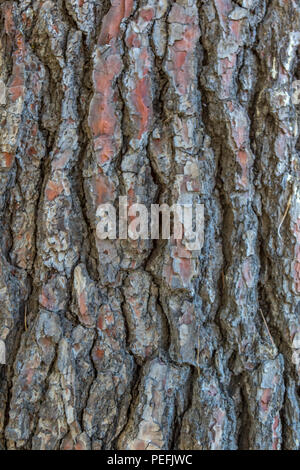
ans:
(145, 345)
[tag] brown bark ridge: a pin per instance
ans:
(116, 344)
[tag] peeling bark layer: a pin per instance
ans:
(116, 344)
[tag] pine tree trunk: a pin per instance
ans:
(116, 344)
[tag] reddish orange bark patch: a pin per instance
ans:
(147, 14)
(20, 43)
(179, 57)
(68, 444)
(185, 270)
(133, 40)
(142, 101)
(53, 190)
(32, 151)
(8, 159)
(178, 15)
(110, 319)
(266, 398)
(119, 10)
(18, 76)
(99, 353)
(16, 92)
(82, 304)
(79, 446)
(29, 376)
(46, 343)
(230, 105)
(105, 71)
(111, 332)
(9, 21)
(102, 116)
(243, 159)
(16, 85)
(104, 190)
(83, 309)
(100, 322)
(236, 27)
(140, 445)
(77, 347)
(131, 197)
(180, 251)
(45, 301)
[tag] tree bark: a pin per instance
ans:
(116, 344)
